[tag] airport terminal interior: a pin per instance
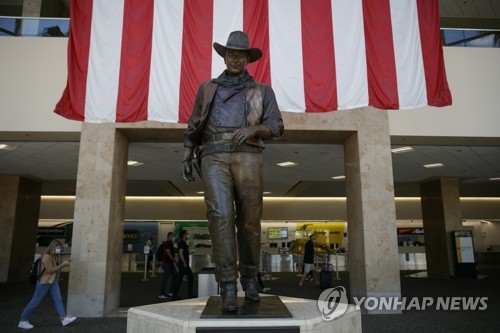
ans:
(443, 238)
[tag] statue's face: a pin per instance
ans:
(236, 62)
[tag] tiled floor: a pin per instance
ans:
(135, 292)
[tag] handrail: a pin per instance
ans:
(5, 31)
(35, 18)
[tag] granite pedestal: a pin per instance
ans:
(267, 307)
(186, 316)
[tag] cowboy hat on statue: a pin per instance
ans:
(238, 41)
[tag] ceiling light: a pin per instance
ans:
(3, 146)
(266, 193)
(402, 150)
(495, 178)
(200, 192)
(134, 163)
(338, 177)
(286, 164)
(434, 165)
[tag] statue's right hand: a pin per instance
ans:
(187, 171)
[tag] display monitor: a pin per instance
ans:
(277, 233)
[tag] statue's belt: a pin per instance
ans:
(217, 137)
(221, 143)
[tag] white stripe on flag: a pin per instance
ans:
(104, 61)
(287, 74)
(228, 17)
(350, 54)
(408, 53)
(166, 54)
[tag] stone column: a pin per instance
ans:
(371, 212)
(31, 8)
(19, 209)
(441, 214)
(95, 273)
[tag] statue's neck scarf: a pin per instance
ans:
(234, 84)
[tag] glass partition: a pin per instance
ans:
(470, 38)
(33, 27)
(59, 27)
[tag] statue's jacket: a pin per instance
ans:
(262, 108)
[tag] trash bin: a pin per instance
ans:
(207, 286)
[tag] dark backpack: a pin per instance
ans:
(160, 252)
(34, 273)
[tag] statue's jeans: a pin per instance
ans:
(233, 195)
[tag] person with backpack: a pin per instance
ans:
(48, 282)
(169, 267)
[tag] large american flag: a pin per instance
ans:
(136, 60)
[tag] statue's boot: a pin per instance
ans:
(229, 301)
(249, 286)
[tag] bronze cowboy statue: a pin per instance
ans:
(231, 117)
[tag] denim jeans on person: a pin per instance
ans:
(40, 291)
(168, 268)
(185, 271)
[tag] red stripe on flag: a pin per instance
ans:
(132, 103)
(256, 26)
(438, 92)
(72, 103)
(318, 55)
(381, 63)
(196, 64)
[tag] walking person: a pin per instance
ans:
(309, 260)
(169, 267)
(231, 117)
(184, 269)
(50, 267)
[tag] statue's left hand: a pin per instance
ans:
(242, 134)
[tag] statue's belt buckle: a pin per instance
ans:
(228, 147)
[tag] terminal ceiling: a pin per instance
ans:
(474, 163)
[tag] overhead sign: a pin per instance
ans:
(410, 231)
(57, 231)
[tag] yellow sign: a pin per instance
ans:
(329, 235)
